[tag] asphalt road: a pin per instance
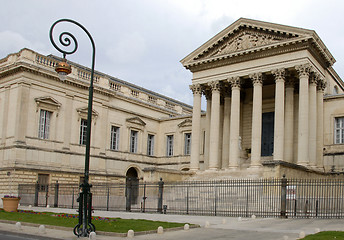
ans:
(20, 236)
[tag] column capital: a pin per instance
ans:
(313, 78)
(257, 78)
(290, 82)
(279, 74)
(206, 92)
(235, 82)
(196, 88)
(215, 85)
(321, 84)
(303, 70)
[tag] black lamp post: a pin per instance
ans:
(85, 226)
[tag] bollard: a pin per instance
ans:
(93, 236)
(41, 229)
(253, 217)
(239, 219)
(18, 225)
(186, 227)
(207, 224)
(130, 233)
(302, 234)
(160, 230)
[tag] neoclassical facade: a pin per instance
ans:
(136, 132)
(273, 101)
(267, 88)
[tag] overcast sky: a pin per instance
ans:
(142, 41)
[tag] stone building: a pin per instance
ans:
(273, 99)
(274, 106)
(135, 132)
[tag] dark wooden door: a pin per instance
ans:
(268, 133)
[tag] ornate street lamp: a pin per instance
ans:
(85, 226)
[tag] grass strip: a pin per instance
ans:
(117, 225)
(328, 235)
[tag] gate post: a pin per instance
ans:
(161, 190)
(56, 199)
(35, 203)
(128, 196)
(284, 183)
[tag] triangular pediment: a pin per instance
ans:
(48, 100)
(243, 40)
(247, 37)
(185, 123)
(136, 120)
(84, 111)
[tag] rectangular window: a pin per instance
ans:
(150, 145)
(114, 138)
(133, 141)
(339, 130)
(187, 144)
(44, 124)
(169, 149)
(83, 132)
(43, 181)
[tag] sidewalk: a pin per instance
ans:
(218, 228)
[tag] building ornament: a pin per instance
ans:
(196, 88)
(290, 82)
(235, 82)
(303, 70)
(257, 78)
(245, 40)
(321, 84)
(313, 78)
(279, 74)
(215, 85)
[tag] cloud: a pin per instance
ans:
(129, 49)
(12, 42)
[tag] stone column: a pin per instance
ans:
(289, 121)
(226, 122)
(256, 141)
(312, 137)
(303, 130)
(235, 123)
(279, 114)
(214, 126)
(207, 129)
(320, 122)
(196, 127)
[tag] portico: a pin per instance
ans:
(264, 86)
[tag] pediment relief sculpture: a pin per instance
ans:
(245, 41)
(241, 41)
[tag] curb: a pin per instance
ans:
(114, 234)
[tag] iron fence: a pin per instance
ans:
(295, 198)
